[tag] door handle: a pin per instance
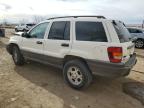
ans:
(39, 42)
(65, 45)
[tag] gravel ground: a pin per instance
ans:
(140, 52)
(36, 85)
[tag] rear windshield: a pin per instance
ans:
(122, 32)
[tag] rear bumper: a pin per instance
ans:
(108, 69)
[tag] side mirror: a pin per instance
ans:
(26, 35)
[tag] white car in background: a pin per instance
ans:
(18, 33)
(24, 27)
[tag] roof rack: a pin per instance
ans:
(76, 17)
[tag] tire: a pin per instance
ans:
(77, 74)
(139, 43)
(17, 56)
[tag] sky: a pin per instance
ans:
(128, 11)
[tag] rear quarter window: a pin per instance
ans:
(90, 31)
(122, 32)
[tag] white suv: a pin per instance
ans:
(80, 45)
(23, 27)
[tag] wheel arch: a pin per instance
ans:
(72, 57)
(10, 47)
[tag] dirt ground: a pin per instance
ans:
(35, 85)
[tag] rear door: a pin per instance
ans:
(58, 42)
(91, 40)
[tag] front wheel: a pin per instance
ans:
(77, 74)
(139, 43)
(17, 56)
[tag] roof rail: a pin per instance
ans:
(76, 17)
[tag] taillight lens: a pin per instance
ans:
(115, 54)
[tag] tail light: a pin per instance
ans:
(115, 54)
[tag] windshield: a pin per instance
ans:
(123, 34)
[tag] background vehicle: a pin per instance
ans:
(24, 27)
(139, 34)
(80, 45)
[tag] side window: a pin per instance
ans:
(135, 31)
(60, 30)
(138, 31)
(39, 31)
(90, 31)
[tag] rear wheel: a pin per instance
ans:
(77, 74)
(17, 56)
(139, 43)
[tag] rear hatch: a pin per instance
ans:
(125, 40)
